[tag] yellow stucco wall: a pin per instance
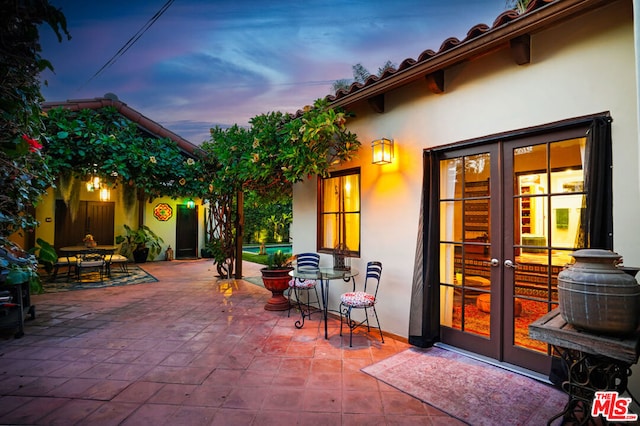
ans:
(45, 214)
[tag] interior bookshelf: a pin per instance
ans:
(476, 211)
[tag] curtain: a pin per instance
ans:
(424, 317)
(597, 217)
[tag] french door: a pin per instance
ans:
(510, 215)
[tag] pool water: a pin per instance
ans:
(285, 248)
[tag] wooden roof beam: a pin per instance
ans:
(521, 49)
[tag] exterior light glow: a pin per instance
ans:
(105, 194)
(382, 150)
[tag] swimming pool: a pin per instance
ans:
(285, 248)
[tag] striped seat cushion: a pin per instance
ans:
(358, 299)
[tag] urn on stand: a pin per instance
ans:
(596, 295)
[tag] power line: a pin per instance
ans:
(131, 41)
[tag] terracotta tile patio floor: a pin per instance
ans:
(192, 350)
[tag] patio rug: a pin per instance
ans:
(136, 275)
(468, 389)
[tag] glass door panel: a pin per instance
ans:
(510, 214)
(465, 229)
(547, 204)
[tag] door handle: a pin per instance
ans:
(509, 264)
(494, 262)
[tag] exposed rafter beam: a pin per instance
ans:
(377, 103)
(521, 49)
(435, 82)
(495, 39)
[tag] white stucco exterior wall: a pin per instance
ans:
(575, 70)
(636, 33)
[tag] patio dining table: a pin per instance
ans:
(71, 251)
(324, 275)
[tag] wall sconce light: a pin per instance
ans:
(191, 204)
(105, 194)
(93, 184)
(382, 150)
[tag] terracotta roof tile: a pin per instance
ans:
(141, 120)
(502, 23)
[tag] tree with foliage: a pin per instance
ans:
(258, 214)
(266, 159)
(518, 5)
(24, 176)
(360, 75)
(105, 144)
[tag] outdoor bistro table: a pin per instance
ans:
(70, 251)
(324, 276)
(73, 250)
(594, 363)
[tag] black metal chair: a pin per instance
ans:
(116, 259)
(91, 261)
(362, 300)
(310, 261)
(68, 262)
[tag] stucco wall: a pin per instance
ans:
(45, 214)
(167, 229)
(582, 67)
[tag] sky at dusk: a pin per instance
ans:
(207, 63)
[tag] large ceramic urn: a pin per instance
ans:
(597, 296)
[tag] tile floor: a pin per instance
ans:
(192, 350)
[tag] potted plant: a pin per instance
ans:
(45, 254)
(140, 244)
(275, 277)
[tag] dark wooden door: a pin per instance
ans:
(93, 217)
(186, 233)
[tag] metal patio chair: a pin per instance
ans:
(91, 261)
(310, 261)
(362, 300)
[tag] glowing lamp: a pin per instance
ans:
(105, 194)
(382, 150)
(93, 184)
(191, 204)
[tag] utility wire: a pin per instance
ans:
(131, 41)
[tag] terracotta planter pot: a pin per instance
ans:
(276, 281)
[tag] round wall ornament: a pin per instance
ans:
(163, 212)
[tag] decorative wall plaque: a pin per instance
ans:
(163, 212)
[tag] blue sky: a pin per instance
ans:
(207, 63)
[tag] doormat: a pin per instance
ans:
(136, 275)
(470, 390)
